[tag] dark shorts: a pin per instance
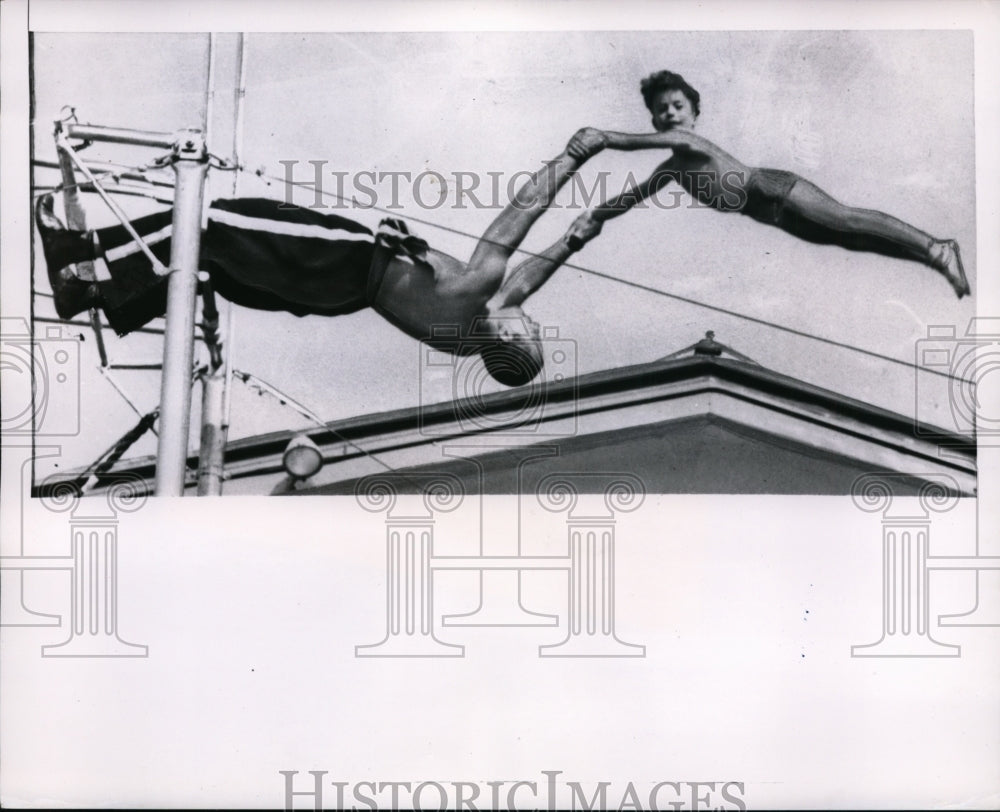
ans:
(767, 190)
(258, 254)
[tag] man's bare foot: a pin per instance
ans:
(946, 258)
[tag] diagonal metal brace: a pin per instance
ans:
(76, 219)
(64, 146)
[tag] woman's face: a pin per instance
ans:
(672, 110)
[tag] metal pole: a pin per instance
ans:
(211, 453)
(191, 167)
(227, 399)
(120, 135)
(206, 121)
(216, 382)
(213, 432)
(241, 96)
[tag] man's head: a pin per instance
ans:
(513, 352)
(671, 100)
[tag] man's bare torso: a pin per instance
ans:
(424, 298)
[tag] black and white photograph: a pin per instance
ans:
(627, 368)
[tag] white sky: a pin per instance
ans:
(879, 119)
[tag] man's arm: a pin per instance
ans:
(531, 274)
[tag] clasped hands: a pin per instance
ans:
(586, 143)
(584, 229)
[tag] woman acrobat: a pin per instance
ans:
(771, 196)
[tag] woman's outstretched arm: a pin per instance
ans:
(535, 271)
(617, 206)
(677, 140)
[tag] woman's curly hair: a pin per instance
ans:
(656, 83)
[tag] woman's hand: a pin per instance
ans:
(584, 229)
(586, 143)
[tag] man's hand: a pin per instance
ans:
(584, 229)
(586, 143)
(508, 323)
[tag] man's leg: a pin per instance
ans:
(133, 295)
(259, 255)
(63, 249)
(264, 255)
(811, 214)
(506, 232)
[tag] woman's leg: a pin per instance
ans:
(811, 214)
(807, 205)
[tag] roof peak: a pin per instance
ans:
(709, 347)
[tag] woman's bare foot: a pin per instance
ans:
(946, 258)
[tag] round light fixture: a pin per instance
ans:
(302, 457)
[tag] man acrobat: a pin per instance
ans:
(264, 255)
(772, 196)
